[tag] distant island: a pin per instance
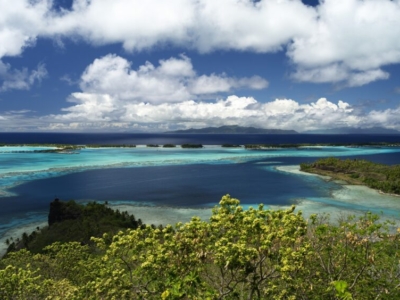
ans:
(234, 129)
(381, 177)
(350, 130)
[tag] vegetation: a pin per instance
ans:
(377, 176)
(152, 146)
(267, 146)
(312, 146)
(110, 146)
(43, 145)
(192, 146)
(237, 254)
(73, 222)
(230, 146)
(58, 148)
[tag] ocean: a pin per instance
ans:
(181, 182)
(206, 139)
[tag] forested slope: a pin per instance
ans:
(72, 222)
(237, 254)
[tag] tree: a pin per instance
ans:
(237, 254)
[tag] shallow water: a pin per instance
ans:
(179, 182)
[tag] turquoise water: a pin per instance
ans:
(22, 167)
(175, 178)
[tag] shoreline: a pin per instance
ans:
(17, 232)
(150, 215)
(330, 178)
(350, 199)
(59, 148)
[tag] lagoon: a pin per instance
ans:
(167, 185)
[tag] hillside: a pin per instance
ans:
(350, 130)
(69, 221)
(234, 129)
(236, 254)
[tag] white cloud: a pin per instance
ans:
(18, 112)
(245, 111)
(339, 74)
(361, 34)
(173, 80)
(20, 79)
(361, 78)
(387, 118)
(339, 41)
(67, 78)
(20, 24)
(332, 73)
(171, 95)
(221, 83)
(206, 25)
(264, 26)
(87, 107)
(350, 43)
(346, 41)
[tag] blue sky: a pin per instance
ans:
(156, 65)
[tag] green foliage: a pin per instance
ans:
(237, 254)
(73, 222)
(341, 290)
(191, 146)
(377, 176)
(110, 146)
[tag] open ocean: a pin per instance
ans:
(175, 179)
(206, 139)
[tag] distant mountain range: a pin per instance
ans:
(349, 130)
(234, 129)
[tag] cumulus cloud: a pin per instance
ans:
(361, 78)
(172, 80)
(350, 43)
(245, 111)
(91, 112)
(206, 25)
(346, 41)
(387, 118)
(336, 73)
(171, 95)
(20, 79)
(21, 23)
(339, 41)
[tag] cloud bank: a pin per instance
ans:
(346, 42)
(172, 95)
(172, 80)
(103, 112)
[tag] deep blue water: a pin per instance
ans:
(191, 185)
(205, 139)
(194, 185)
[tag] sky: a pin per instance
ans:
(159, 65)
